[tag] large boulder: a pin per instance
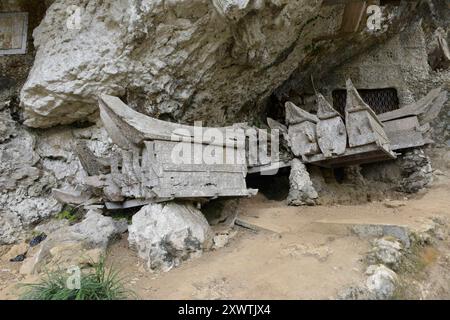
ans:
(179, 59)
(166, 234)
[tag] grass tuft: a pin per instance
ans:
(99, 284)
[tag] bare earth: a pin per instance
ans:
(295, 255)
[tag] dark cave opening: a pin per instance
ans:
(273, 187)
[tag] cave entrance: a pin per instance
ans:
(273, 187)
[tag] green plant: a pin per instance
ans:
(67, 214)
(99, 284)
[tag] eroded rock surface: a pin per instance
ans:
(79, 244)
(388, 251)
(168, 233)
(24, 186)
(301, 190)
(176, 59)
(416, 171)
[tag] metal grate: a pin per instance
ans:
(380, 100)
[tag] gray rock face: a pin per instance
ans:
(24, 187)
(31, 165)
(416, 171)
(162, 60)
(168, 233)
(76, 244)
(301, 188)
(175, 58)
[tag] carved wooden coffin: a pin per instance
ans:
(162, 161)
(363, 126)
(302, 131)
(331, 133)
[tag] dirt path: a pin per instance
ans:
(298, 261)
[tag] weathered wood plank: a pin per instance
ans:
(352, 16)
(427, 108)
(357, 155)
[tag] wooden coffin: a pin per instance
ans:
(161, 160)
(363, 125)
(331, 133)
(302, 131)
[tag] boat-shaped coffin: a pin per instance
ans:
(175, 160)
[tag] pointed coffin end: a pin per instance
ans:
(273, 124)
(324, 108)
(354, 100)
(296, 115)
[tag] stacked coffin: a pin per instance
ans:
(360, 139)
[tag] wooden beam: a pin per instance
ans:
(353, 13)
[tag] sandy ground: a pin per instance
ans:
(298, 259)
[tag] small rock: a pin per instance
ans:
(220, 240)
(381, 282)
(386, 250)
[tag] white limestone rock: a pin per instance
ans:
(24, 187)
(168, 55)
(381, 282)
(301, 190)
(165, 234)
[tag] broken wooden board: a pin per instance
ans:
(404, 133)
(363, 125)
(13, 33)
(331, 133)
(357, 155)
(426, 109)
(273, 167)
(352, 16)
(439, 58)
